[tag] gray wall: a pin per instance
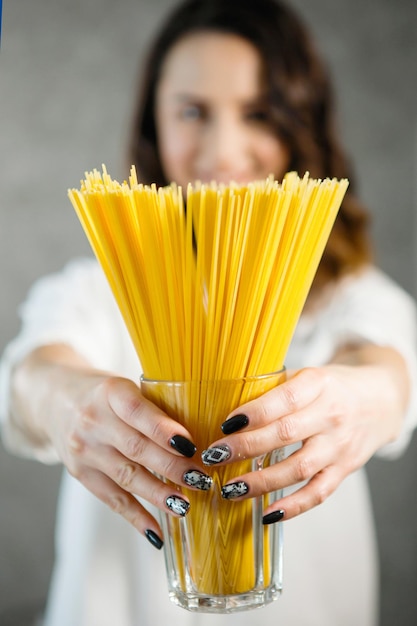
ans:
(67, 78)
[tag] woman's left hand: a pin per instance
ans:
(340, 413)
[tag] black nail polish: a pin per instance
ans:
(154, 539)
(273, 517)
(177, 505)
(234, 490)
(214, 455)
(183, 445)
(235, 423)
(197, 479)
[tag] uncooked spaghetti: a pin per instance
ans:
(210, 289)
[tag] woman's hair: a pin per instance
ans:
(300, 108)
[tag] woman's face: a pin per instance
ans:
(211, 113)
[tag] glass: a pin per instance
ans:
(219, 558)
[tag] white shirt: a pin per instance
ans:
(106, 574)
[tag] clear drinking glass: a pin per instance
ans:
(220, 558)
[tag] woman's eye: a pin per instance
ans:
(192, 112)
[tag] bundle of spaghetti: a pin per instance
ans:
(210, 289)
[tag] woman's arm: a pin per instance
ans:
(106, 433)
(341, 413)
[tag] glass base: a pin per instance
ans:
(225, 604)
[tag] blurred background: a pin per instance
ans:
(68, 73)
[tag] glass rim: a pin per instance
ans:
(242, 379)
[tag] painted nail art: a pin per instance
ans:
(154, 539)
(214, 455)
(197, 479)
(234, 424)
(183, 445)
(273, 517)
(177, 505)
(234, 490)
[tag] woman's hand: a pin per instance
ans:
(109, 436)
(340, 413)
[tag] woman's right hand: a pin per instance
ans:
(110, 437)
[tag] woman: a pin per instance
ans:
(233, 90)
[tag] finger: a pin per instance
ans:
(180, 471)
(124, 504)
(135, 447)
(289, 397)
(315, 492)
(299, 467)
(284, 431)
(135, 479)
(127, 402)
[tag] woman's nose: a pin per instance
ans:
(225, 149)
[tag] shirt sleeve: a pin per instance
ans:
(74, 307)
(374, 308)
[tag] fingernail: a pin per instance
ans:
(154, 539)
(197, 479)
(234, 490)
(235, 423)
(177, 505)
(273, 517)
(214, 455)
(183, 445)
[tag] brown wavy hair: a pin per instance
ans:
(300, 103)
